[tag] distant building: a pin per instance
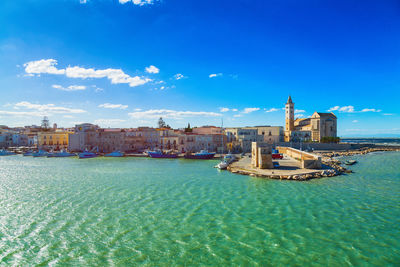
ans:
(318, 126)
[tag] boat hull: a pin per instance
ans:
(87, 155)
(205, 156)
(162, 156)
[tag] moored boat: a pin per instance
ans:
(87, 155)
(28, 153)
(350, 162)
(6, 153)
(115, 154)
(61, 154)
(203, 154)
(158, 154)
(40, 153)
(228, 159)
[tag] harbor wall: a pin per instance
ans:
(307, 160)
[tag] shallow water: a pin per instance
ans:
(140, 211)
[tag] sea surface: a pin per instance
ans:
(163, 212)
(377, 141)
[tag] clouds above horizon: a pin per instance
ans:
(27, 109)
(171, 114)
(351, 109)
(69, 88)
(116, 76)
(152, 69)
(113, 106)
(250, 110)
(222, 109)
(213, 75)
(137, 2)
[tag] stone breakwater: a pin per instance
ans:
(361, 151)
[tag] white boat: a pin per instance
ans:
(222, 165)
(4, 152)
(115, 154)
(228, 159)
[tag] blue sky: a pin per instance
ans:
(126, 64)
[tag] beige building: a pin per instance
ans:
(318, 126)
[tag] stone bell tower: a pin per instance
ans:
(289, 115)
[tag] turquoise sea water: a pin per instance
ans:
(139, 211)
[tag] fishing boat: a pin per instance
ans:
(4, 152)
(87, 155)
(40, 153)
(115, 154)
(350, 162)
(28, 153)
(158, 154)
(61, 154)
(203, 154)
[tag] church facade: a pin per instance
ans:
(314, 128)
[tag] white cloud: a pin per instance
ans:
(238, 115)
(179, 76)
(113, 106)
(49, 108)
(97, 89)
(107, 122)
(250, 110)
(224, 109)
(39, 110)
(350, 109)
(234, 109)
(172, 114)
(370, 110)
(43, 66)
(137, 2)
(346, 109)
(355, 121)
(271, 110)
(69, 88)
(296, 111)
(68, 116)
(388, 114)
(214, 75)
(152, 69)
(116, 76)
(83, 1)
(138, 109)
(299, 116)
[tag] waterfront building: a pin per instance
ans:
(109, 140)
(142, 138)
(239, 139)
(51, 140)
(315, 128)
(83, 137)
(269, 134)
